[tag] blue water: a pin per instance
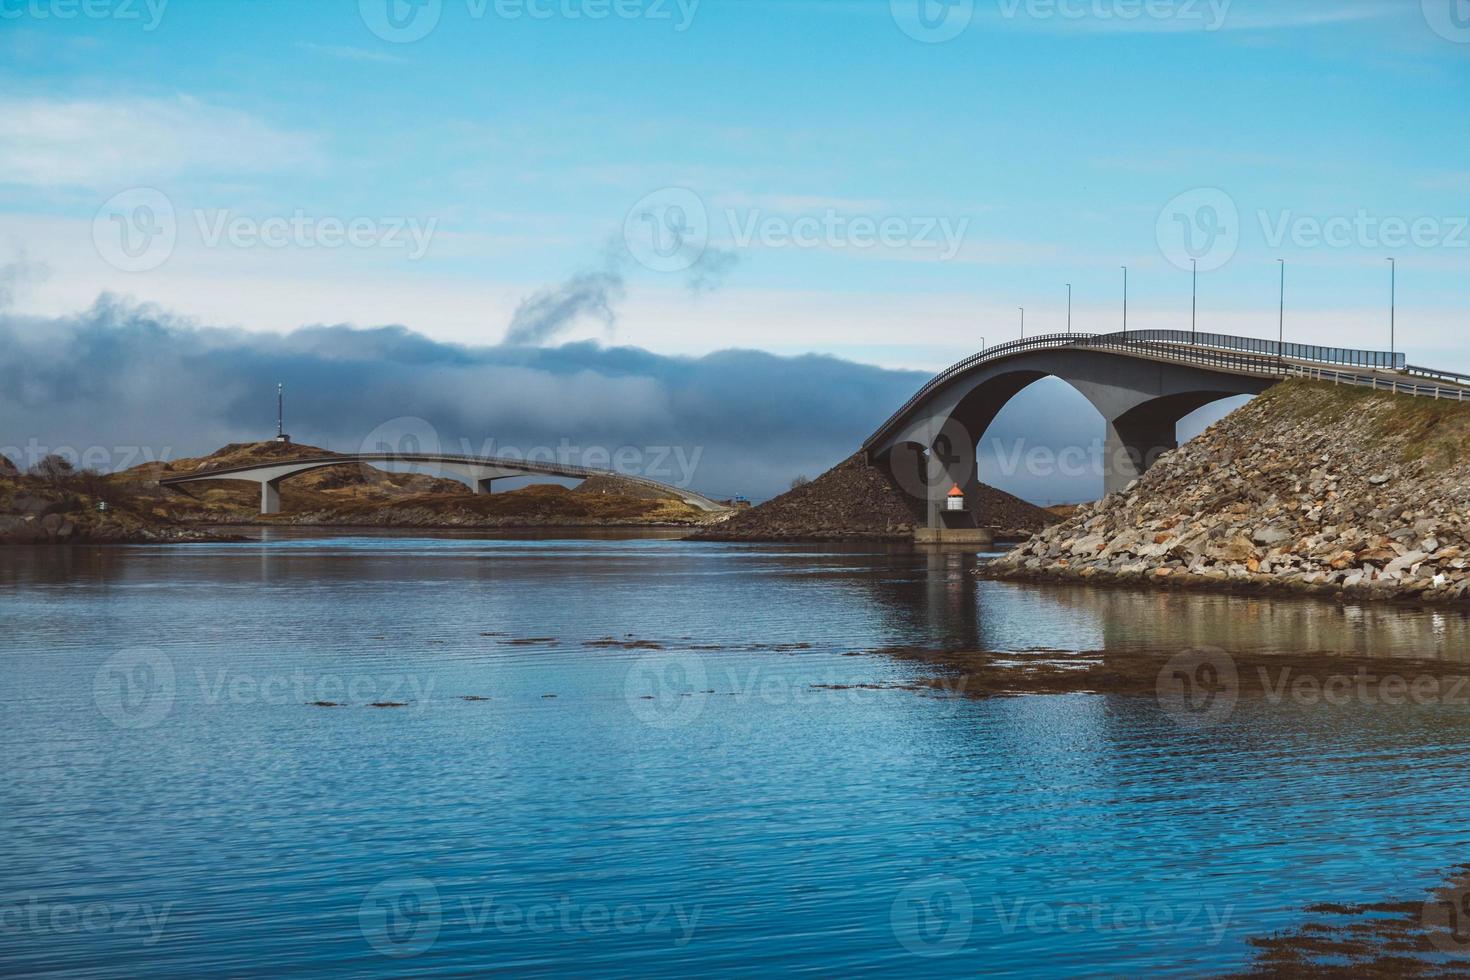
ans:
(173, 806)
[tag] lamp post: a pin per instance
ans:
(1069, 309)
(1393, 300)
(1194, 305)
(1281, 322)
(1023, 321)
(1125, 302)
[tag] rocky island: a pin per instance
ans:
(53, 503)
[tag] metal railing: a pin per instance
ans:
(1380, 359)
(1239, 355)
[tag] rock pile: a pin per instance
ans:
(1309, 488)
(856, 501)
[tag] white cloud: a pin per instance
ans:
(351, 54)
(95, 144)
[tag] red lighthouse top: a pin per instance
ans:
(955, 491)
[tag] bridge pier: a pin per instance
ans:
(1133, 444)
(270, 496)
(483, 486)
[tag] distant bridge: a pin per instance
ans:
(478, 471)
(1142, 382)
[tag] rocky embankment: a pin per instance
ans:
(856, 501)
(1310, 488)
(64, 509)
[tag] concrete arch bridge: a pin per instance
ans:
(1142, 383)
(478, 471)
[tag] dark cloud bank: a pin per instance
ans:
(121, 375)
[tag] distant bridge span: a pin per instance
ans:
(478, 471)
(1142, 382)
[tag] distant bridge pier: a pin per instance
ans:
(270, 496)
(482, 485)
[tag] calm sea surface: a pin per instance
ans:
(706, 791)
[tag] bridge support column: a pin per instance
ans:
(270, 497)
(952, 462)
(1133, 443)
(483, 486)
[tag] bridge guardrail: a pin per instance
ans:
(1380, 359)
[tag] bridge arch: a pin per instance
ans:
(1141, 389)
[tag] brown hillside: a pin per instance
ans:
(855, 500)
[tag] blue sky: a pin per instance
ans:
(1050, 140)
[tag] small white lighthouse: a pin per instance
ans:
(956, 499)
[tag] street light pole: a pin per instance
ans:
(1125, 302)
(1281, 323)
(1023, 321)
(1069, 309)
(1194, 305)
(1393, 301)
